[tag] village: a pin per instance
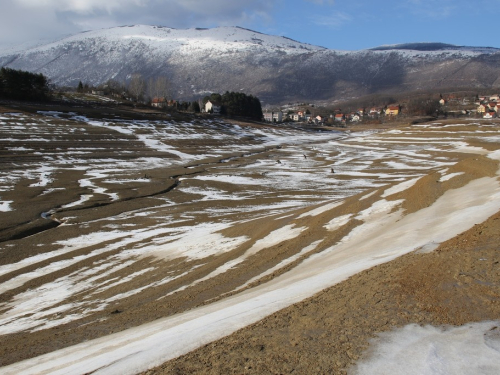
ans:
(452, 105)
(488, 107)
(337, 117)
(458, 104)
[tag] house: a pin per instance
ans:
(296, 117)
(318, 119)
(339, 117)
(374, 112)
(481, 108)
(213, 107)
(490, 114)
(97, 92)
(277, 116)
(361, 112)
(392, 110)
(158, 102)
(493, 106)
(273, 116)
(494, 98)
(355, 117)
(442, 101)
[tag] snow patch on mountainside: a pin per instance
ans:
(226, 40)
(274, 68)
(160, 39)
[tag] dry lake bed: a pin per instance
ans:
(203, 245)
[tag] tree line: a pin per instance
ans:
(137, 88)
(237, 104)
(21, 85)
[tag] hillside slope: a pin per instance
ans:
(277, 69)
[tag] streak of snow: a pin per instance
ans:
(400, 187)
(170, 337)
(338, 222)
(321, 209)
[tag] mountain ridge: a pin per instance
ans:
(274, 68)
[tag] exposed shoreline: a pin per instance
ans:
(330, 331)
(418, 244)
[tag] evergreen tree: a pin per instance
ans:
(80, 87)
(194, 107)
(237, 104)
(21, 85)
(214, 98)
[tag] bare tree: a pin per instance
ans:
(152, 89)
(137, 86)
(159, 87)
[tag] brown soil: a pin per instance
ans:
(456, 284)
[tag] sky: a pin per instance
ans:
(335, 24)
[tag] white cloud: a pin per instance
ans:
(335, 20)
(21, 20)
(431, 8)
(81, 6)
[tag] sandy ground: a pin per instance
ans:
(90, 286)
(456, 284)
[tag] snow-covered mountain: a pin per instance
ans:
(276, 69)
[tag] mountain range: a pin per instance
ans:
(274, 68)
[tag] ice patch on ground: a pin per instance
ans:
(5, 206)
(236, 180)
(321, 209)
(83, 198)
(87, 183)
(467, 350)
(44, 177)
(428, 248)
(378, 209)
(495, 155)
(400, 187)
(368, 195)
(338, 222)
(467, 149)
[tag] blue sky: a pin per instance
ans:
(335, 24)
(353, 25)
